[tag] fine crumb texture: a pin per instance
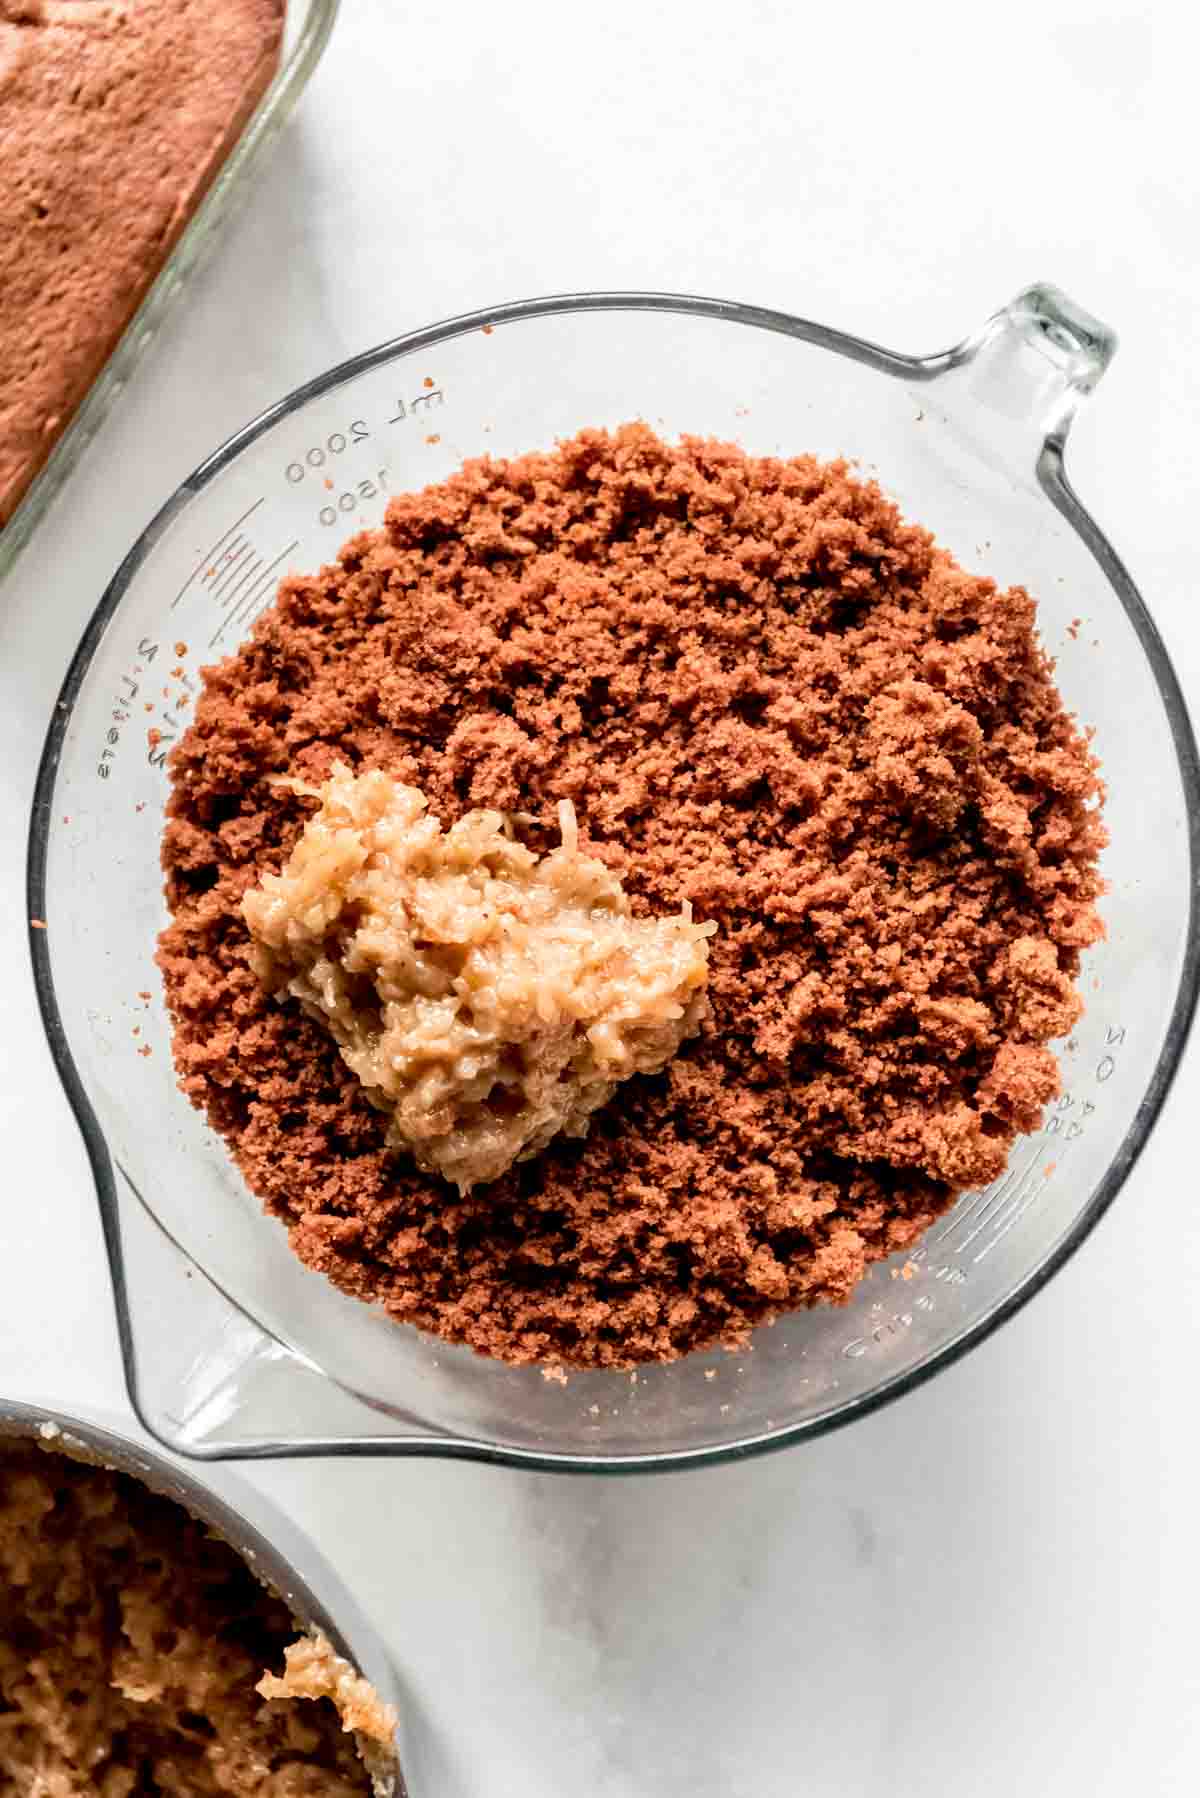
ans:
(131, 1641)
(765, 694)
(486, 998)
(114, 116)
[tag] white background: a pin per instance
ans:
(991, 1588)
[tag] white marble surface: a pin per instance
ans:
(992, 1587)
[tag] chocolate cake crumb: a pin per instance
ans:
(765, 693)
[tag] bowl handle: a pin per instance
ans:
(1013, 387)
(204, 1378)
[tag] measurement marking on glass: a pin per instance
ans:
(259, 588)
(983, 1198)
(994, 1196)
(248, 573)
(256, 611)
(233, 548)
(1031, 1192)
(991, 1211)
(260, 591)
(232, 569)
(216, 568)
(208, 560)
(252, 617)
(958, 1218)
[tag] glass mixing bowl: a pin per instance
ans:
(231, 1346)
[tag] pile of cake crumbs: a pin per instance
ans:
(768, 697)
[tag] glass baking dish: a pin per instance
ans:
(231, 1346)
(306, 29)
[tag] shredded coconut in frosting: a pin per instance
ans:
(486, 997)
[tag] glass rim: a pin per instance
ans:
(1054, 484)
